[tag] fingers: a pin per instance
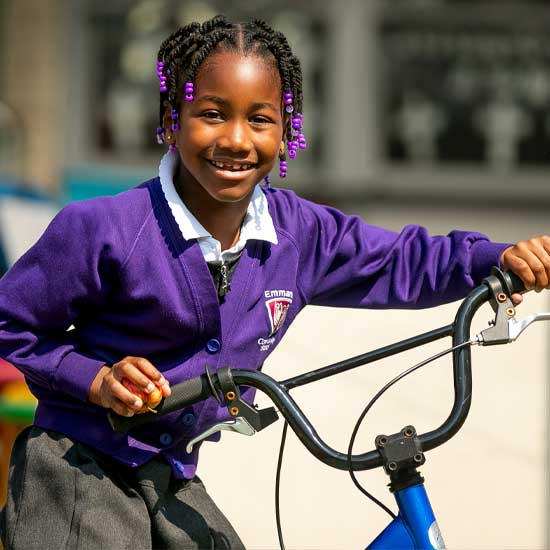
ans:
(119, 398)
(140, 375)
(530, 260)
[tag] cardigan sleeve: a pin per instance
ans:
(347, 262)
(61, 278)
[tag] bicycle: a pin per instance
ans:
(400, 454)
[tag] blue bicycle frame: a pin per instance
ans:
(414, 527)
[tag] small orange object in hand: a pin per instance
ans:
(150, 400)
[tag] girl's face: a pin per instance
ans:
(232, 132)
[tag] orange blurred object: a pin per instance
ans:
(17, 406)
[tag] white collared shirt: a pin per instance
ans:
(257, 223)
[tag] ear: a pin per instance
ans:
(166, 117)
(282, 148)
(170, 136)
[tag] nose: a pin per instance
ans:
(236, 137)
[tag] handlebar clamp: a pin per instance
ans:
(401, 454)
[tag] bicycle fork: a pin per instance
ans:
(415, 527)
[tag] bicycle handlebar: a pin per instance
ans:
(201, 387)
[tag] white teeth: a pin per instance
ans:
(233, 167)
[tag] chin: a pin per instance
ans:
(232, 193)
(230, 197)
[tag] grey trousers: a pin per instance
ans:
(62, 494)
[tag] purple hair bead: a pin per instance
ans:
(189, 89)
(172, 148)
(175, 127)
(282, 169)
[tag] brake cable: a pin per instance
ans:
(373, 401)
(400, 376)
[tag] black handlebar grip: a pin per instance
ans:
(189, 392)
(510, 282)
(513, 282)
(183, 394)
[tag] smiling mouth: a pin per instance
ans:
(231, 167)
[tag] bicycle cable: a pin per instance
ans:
(373, 401)
(277, 487)
(352, 440)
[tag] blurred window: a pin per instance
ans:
(11, 143)
(466, 85)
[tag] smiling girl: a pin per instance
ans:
(199, 266)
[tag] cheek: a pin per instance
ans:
(269, 143)
(195, 132)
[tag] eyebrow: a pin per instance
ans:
(221, 101)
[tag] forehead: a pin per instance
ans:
(250, 76)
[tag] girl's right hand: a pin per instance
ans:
(108, 391)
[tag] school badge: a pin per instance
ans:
(277, 307)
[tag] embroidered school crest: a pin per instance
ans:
(277, 308)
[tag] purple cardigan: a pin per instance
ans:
(118, 270)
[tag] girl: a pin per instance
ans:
(200, 266)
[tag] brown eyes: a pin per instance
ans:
(211, 114)
(215, 115)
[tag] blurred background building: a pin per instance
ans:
(428, 111)
(403, 98)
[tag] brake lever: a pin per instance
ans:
(504, 333)
(239, 425)
(516, 327)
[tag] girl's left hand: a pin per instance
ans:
(529, 260)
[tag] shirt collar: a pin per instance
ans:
(257, 223)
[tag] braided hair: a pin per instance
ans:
(183, 52)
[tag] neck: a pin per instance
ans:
(222, 220)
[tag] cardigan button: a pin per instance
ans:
(213, 345)
(188, 419)
(166, 439)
